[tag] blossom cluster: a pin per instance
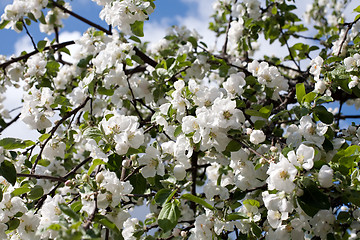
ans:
(208, 143)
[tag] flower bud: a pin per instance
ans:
(99, 177)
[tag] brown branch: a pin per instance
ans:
(250, 148)
(224, 48)
(346, 33)
(11, 122)
(26, 56)
(136, 170)
(77, 167)
(37, 176)
(28, 33)
(194, 168)
(53, 130)
(81, 18)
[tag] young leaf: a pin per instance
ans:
(138, 28)
(168, 216)
(300, 92)
(198, 200)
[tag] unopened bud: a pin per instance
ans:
(99, 177)
(85, 177)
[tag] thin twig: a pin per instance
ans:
(26, 56)
(37, 176)
(53, 130)
(28, 33)
(81, 18)
(11, 122)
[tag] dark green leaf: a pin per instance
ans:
(161, 196)
(68, 211)
(233, 146)
(19, 25)
(36, 192)
(13, 224)
(106, 222)
(235, 216)
(41, 45)
(313, 199)
(324, 115)
(8, 171)
(139, 183)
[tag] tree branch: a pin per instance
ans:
(53, 130)
(37, 176)
(26, 56)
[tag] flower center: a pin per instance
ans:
(284, 175)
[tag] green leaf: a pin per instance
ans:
(19, 25)
(354, 197)
(84, 62)
(357, 9)
(313, 199)
(41, 45)
(4, 23)
(21, 190)
(161, 196)
(36, 192)
(1, 194)
(252, 202)
(8, 171)
(93, 133)
(300, 92)
(168, 216)
(235, 216)
(65, 50)
(13, 224)
(135, 39)
(256, 230)
(177, 131)
(139, 183)
(233, 146)
(95, 163)
(105, 91)
(138, 28)
(55, 227)
(106, 222)
(68, 211)
(324, 115)
(44, 136)
(308, 98)
(198, 200)
(14, 143)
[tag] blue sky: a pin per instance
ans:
(167, 13)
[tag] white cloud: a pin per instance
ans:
(14, 95)
(23, 44)
(197, 17)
